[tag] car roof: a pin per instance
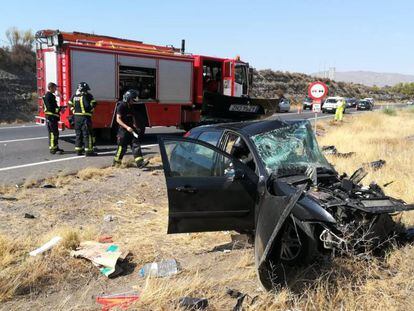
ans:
(249, 128)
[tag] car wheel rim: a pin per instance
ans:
(291, 245)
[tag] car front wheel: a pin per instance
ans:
(293, 249)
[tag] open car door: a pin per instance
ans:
(208, 190)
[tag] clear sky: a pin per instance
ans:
(295, 35)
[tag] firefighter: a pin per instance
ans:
(82, 105)
(128, 131)
(52, 110)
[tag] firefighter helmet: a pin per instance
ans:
(131, 95)
(83, 87)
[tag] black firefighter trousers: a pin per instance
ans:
(84, 137)
(53, 129)
(126, 138)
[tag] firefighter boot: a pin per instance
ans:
(60, 151)
(116, 163)
(141, 162)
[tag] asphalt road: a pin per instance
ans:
(24, 153)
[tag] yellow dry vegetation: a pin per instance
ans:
(140, 226)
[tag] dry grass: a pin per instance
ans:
(21, 274)
(374, 136)
(140, 212)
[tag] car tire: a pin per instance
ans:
(302, 251)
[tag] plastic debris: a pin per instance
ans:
(105, 239)
(161, 269)
(102, 255)
(45, 247)
(109, 218)
(190, 303)
(120, 301)
(29, 216)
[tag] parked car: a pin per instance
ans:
(269, 179)
(307, 103)
(371, 100)
(351, 102)
(284, 105)
(365, 105)
(331, 103)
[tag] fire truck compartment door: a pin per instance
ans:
(137, 61)
(175, 82)
(96, 69)
(51, 70)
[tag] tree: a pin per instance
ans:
(20, 55)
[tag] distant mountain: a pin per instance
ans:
(370, 78)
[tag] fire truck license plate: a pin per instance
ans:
(244, 108)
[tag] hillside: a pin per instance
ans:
(17, 97)
(268, 83)
(370, 78)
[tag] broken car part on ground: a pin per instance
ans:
(270, 179)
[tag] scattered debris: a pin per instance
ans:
(45, 247)
(29, 216)
(122, 301)
(240, 298)
(105, 239)
(48, 186)
(242, 240)
(163, 268)
(8, 198)
(102, 255)
(119, 203)
(329, 149)
(109, 218)
(388, 183)
(190, 303)
(333, 151)
(376, 164)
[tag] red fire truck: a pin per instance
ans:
(172, 84)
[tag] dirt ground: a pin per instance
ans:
(137, 201)
(75, 206)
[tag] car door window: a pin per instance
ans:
(190, 159)
(210, 137)
(231, 139)
(237, 147)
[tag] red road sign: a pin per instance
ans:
(317, 90)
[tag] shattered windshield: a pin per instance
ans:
(291, 148)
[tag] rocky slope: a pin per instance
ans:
(269, 84)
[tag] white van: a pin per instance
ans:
(331, 103)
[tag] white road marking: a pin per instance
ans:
(63, 159)
(20, 127)
(34, 138)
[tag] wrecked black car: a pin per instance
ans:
(270, 179)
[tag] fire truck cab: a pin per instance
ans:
(170, 82)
